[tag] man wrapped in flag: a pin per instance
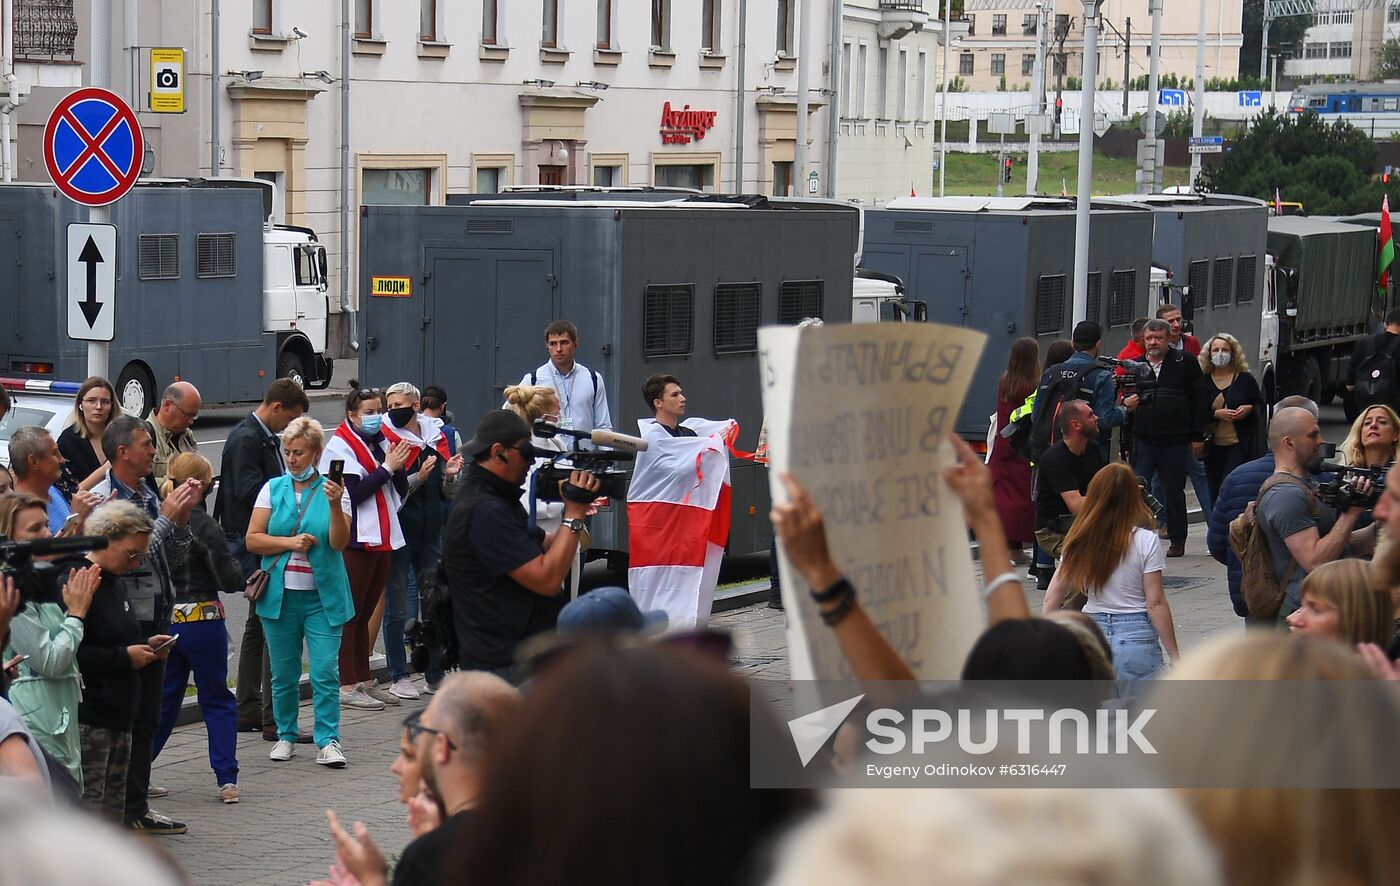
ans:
(678, 508)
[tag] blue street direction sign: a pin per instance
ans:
(1210, 144)
(1251, 98)
(1175, 98)
(93, 146)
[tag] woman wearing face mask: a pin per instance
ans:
(377, 482)
(1234, 406)
(300, 526)
(1374, 438)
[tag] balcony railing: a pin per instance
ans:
(903, 5)
(45, 29)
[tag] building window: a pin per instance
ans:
(215, 255)
(737, 311)
(490, 23)
(800, 299)
(1315, 50)
(1393, 14)
(549, 33)
(846, 72)
(998, 25)
(782, 179)
(1060, 65)
(158, 257)
(488, 179)
(660, 24)
(882, 81)
(1028, 64)
(668, 321)
(1339, 50)
(1029, 24)
(262, 17)
(921, 112)
(901, 103)
(862, 63)
(1050, 305)
(709, 26)
(396, 187)
(1062, 24)
(364, 19)
(605, 20)
(998, 64)
(965, 63)
(697, 176)
(427, 21)
(785, 27)
(607, 177)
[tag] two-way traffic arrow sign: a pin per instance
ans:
(92, 282)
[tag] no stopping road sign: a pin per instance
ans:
(93, 146)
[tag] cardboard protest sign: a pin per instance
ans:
(859, 414)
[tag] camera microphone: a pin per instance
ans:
(618, 441)
(47, 547)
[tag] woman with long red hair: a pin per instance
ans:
(1011, 472)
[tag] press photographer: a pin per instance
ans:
(504, 575)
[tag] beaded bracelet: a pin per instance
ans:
(837, 590)
(838, 615)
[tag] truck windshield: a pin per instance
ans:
(306, 267)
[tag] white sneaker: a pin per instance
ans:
(404, 689)
(282, 752)
(331, 756)
(356, 698)
(373, 691)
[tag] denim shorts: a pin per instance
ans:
(1137, 651)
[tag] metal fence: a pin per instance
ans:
(45, 28)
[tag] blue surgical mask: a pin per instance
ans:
(305, 474)
(370, 423)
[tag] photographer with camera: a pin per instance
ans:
(504, 577)
(1303, 531)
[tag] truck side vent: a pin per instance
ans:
(1050, 305)
(1095, 308)
(158, 257)
(1244, 280)
(215, 255)
(1224, 283)
(913, 227)
(668, 320)
(490, 226)
(737, 311)
(1120, 299)
(1198, 278)
(800, 299)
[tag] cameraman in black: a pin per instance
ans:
(505, 577)
(1168, 427)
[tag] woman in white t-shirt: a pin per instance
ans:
(1112, 557)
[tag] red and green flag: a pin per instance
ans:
(1385, 255)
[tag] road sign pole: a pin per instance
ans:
(1151, 162)
(99, 74)
(1086, 162)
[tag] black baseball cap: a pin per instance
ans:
(497, 426)
(1086, 334)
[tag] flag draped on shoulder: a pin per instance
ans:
(1385, 247)
(678, 520)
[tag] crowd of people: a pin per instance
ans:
(545, 706)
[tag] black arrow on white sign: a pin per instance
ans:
(91, 256)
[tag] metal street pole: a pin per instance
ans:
(214, 88)
(1086, 161)
(804, 70)
(838, 92)
(1199, 115)
(943, 103)
(1264, 40)
(1273, 83)
(1038, 90)
(99, 74)
(1150, 161)
(1127, 61)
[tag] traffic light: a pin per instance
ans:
(1006, 170)
(1059, 107)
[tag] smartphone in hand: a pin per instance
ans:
(337, 472)
(166, 645)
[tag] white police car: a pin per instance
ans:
(48, 404)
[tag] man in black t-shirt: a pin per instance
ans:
(1063, 474)
(504, 577)
(667, 401)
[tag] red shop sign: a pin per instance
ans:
(685, 125)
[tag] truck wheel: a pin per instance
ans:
(136, 391)
(289, 366)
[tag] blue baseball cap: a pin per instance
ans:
(607, 610)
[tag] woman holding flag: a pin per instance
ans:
(375, 478)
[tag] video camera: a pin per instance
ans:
(36, 580)
(1132, 369)
(1341, 492)
(601, 463)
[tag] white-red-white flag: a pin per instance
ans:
(678, 520)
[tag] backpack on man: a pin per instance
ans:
(1376, 378)
(1066, 383)
(1260, 587)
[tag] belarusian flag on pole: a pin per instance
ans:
(1278, 203)
(1386, 249)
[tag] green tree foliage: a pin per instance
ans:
(1283, 31)
(1386, 65)
(1329, 168)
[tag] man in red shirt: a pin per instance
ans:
(1172, 314)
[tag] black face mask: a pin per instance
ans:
(401, 416)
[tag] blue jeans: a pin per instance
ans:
(203, 650)
(401, 604)
(304, 618)
(1200, 481)
(1137, 652)
(1167, 462)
